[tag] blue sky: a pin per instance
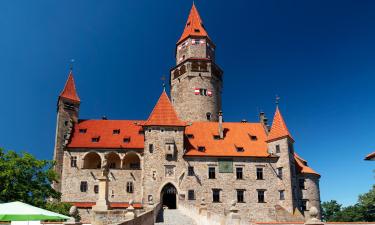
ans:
(318, 55)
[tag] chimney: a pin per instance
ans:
(264, 121)
(221, 130)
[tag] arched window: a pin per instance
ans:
(92, 160)
(114, 161)
(132, 161)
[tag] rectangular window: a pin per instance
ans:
(304, 205)
(211, 173)
(282, 195)
(201, 148)
(129, 187)
(126, 139)
(190, 171)
(216, 137)
(83, 186)
(240, 149)
(261, 196)
(253, 138)
(116, 131)
(151, 148)
(259, 173)
(191, 195)
(96, 189)
(95, 139)
(82, 131)
(280, 172)
(240, 196)
(190, 136)
(239, 173)
(215, 195)
(301, 183)
(277, 148)
(73, 161)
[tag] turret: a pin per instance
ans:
(196, 80)
(67, 114)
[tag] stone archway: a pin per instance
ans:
(168, 196)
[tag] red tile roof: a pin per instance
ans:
(370, 156)
(279, 129)
(235, 135)
(103, 129)
(70, 91)
(164, 114)
(302, 166)
(111, 204)
(194, 26)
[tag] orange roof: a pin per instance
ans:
(111, 204)
(279, 129)
(164, 114)
(70, 91)
(302, 166)
(235, 135)
(85, 130)
(370, 156)
(194, 26)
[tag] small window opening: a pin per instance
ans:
(259, 173)
(96, 189)
(216, 137)
(83, 186)
(126, 139)
(82, 131)
(116, 131)
(196, 30)
(253, 138)
(190, 171)
(190, 136)
(129, 187)
(282, 195)
(208, 116)
(280, 172)
(261, 196)
(73, 161)
(201, 148)
(151, 148)
(239, 173)
(240, 149)
(215, 195)
(211, 173)
(95, 139)
(277, 148)
(191, 195)
(240, 196)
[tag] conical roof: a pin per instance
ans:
(69, 91)
(279, 129)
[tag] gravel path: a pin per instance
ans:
(173, 217)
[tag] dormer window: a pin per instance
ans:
(190, 136)
(196, 30)
(240, 149)
(95, 139)
(201, 148)
(126, 139)
(216, 137)
(82, 131)
(141, 132)
(116, 131)
(253, 138)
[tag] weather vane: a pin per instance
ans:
(71, 64)
(163, 79)
(277, 100)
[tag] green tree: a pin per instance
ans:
(330, 210)
(366, 203)
(27, 179)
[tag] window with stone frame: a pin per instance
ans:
(73, 161)
(96, 189)
(277, 148)
(280, 172)
(260, 173)
(261, 197)
(215, 195)
(83, 186)
(240, 195)
(211, 173)
(301, 183)
(239, 173)
(282, 194)
(129, 187)
(191, 195)
(191, 171)
(151, 148)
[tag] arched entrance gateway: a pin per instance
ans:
(168, 196)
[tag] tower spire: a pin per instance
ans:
(194, 25)
(279, 129)
(69, 91)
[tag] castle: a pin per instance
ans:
(184, 152)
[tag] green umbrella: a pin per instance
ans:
(19, 211)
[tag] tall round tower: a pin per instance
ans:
(196, 81)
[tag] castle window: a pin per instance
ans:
(208, 116)
(216, 137)
(190, 171)
(282, 195)
(116, 131)
(301, 183)
(68, 106)
(83, 186)
(161, 130)
(240, 149)
(215, 195)
(239, 173)
(129, 187)
(196, 41)
(73, 161)
(95, 139)
(82, 131)
(66, 123)
(191, 195)
(280, 172)
(277, 148)
(211, 173)
(201, 148)
(151, 148)
(141, 132)
(304, 205)
(96, 189)
(261, 196)
(190, 136)
(253, 138)
(259, 173)
(126, 139)
(240, 196)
